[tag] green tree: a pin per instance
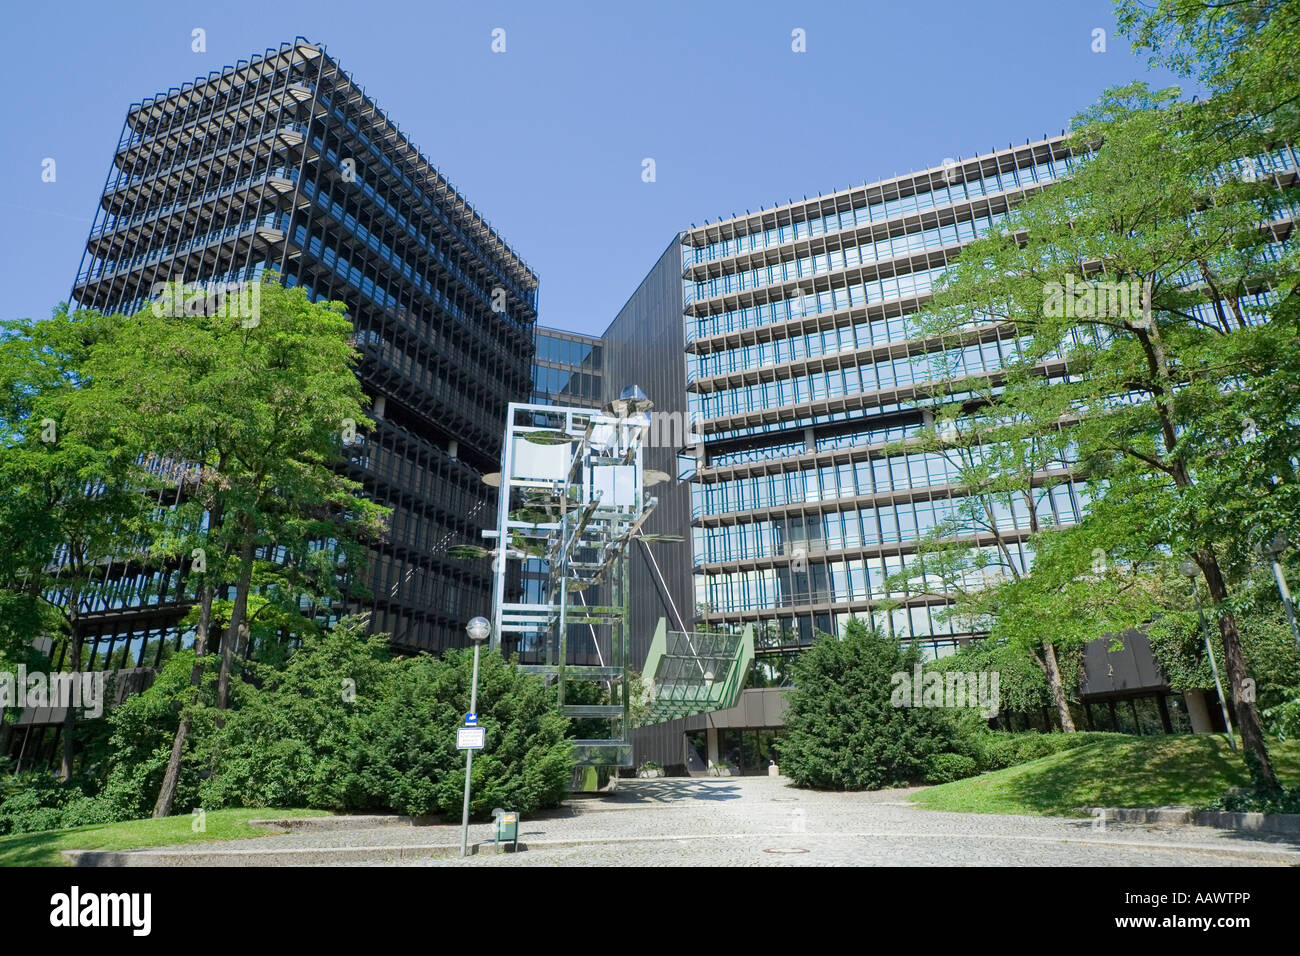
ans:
(1243, 52)
(254, 413)
(1022, 685)
(1082, 585)
(72, 507)
(1269, 649)
(843, 731)
(1177, 412)
(1003, 462)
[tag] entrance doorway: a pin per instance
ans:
(750, 750)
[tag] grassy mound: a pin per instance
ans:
(1184, 769)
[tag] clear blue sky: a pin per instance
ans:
(547, 139)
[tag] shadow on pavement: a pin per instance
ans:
(672, 790)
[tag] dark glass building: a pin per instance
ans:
(283, 162)
(644, 347)
(567, 368)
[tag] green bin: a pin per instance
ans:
(507, 828)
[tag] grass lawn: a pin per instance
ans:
(1189, 769)
(42, 849)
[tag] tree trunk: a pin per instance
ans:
(1216, 296)
(1252, 734)
(241, 650)
(74, 653)
(167, 792)
(1056, 686)
(69, 714)
(231, 638)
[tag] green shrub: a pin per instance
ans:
(843, 731)
(945, 768)
(344, 727)
(295, 740)
(82, 811)
(1283, 720)
(1281, 800)
(991, 750)
(998, 749)
(32, 802)
(143, 728)
(339, 726)
(407, 758)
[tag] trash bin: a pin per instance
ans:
(507, 828)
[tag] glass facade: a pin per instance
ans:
(806, 374)
(804, 366)
(567, 368)
(281, 162)
(951, 186)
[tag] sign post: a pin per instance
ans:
(471, 737)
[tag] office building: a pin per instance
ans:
(284, 162)
(806, 372)
(805, 368)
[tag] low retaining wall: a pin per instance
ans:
(1282, 823)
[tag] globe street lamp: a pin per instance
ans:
(1190, 571)
(479, 630)
(1274, 551)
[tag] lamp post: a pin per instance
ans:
(1189, 570)
(479, 630)
(1274, 551)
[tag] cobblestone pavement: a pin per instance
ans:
(761, 821)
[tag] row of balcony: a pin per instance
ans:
(121, 183)
(105, 270)
(114, 223)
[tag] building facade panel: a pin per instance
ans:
(567, 368)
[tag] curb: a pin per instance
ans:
(372, 821)
(1280, 823)
(317, 856)
(312, 856)
(307, 856)
(340, 822)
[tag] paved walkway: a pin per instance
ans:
(761, 821)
